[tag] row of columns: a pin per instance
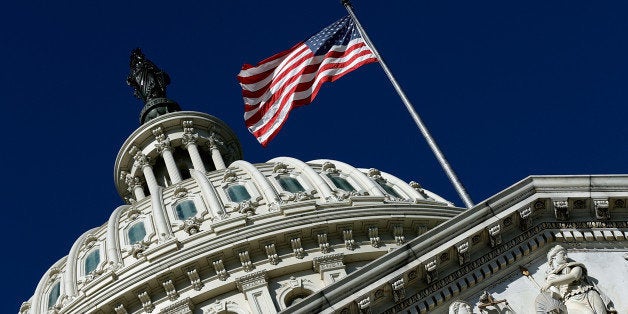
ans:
(165, 149)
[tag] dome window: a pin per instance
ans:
(185, 209)
(238, 193)
(389, 189)
(91, 261)
(136, 233)
(290, 184)
(341, 183)
(54, 294)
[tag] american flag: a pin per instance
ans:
(293, 77)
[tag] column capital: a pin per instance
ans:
(141, 160)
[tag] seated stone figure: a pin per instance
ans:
(569, 279)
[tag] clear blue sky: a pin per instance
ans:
(508, 89)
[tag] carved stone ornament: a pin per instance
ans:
(494, 235)
(137, 249)
(329, 167)
(487, 300)
(179, 192)
(374, 174)
(192, 225)
(215, 141)
(120, 309)
(171, 291)
(247, 207)
(328, 262)
(271, 253)
(374, 236)
(463, 253)
(184, 306)
(229, 176)
(221, 272)
(280, 167)
(195, 279)
(525, 218)
(252, 281)
(297, 248)
(398, 290)
(323, 244)
(398, 234)
(561, 210)
(347, 236)
(460, 307)
(298, 196)
(147, 304)
(601, 209)
(417, 187)
(431, 272)
(364, 305)
(570, 288)
(245, 261)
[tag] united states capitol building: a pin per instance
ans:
(203, 231)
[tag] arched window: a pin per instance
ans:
(389, 189)
(296, 296)
(136, 233)
(54, 294)
(341, 183)
(290, 184)
(185, 209)
(91, 261)
(238, 193)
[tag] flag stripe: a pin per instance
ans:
(292, 78)
(307, 80)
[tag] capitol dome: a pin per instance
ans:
(203, 231)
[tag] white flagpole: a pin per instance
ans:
(426, 134)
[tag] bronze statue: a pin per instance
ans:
(148, 81)
(149, 84)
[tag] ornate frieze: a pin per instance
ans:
(252, 281)
(184, 306)
(328, 262)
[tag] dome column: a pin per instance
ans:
(165, 149)
(189, 142)
(216, 157)
(135, 186)
(159, 214)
